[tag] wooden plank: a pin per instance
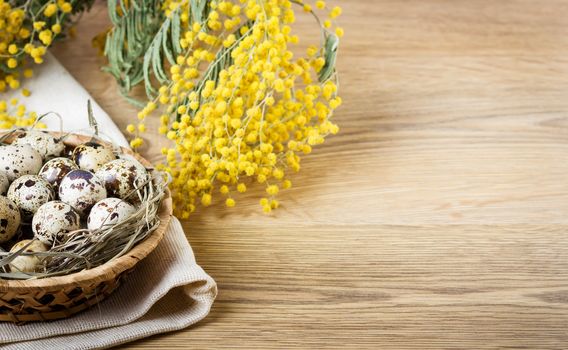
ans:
(435, 219)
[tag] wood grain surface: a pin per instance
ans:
(437, 218)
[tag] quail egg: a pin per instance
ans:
(134, 161)
(91, 155)
(46, 144)
(54, 170)
(28, 263)
(9, 219)
(18, 160)
(121, 178)
(53, 220)
(29, 192)
(109, 211)
(4, 183)
(81, 189)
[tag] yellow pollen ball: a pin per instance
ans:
(12, 63)
(272, 190)
(335, 12)
(50, 10)
(56, 28)
(66, 7)
(206, 199)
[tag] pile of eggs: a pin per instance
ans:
(55, 190)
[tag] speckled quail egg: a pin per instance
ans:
(29, 192)
(55, 170)
(18, 160)
(134, 161)
(81, 189)
(4, 182)
(9, 219)
(109, 211)
(46, 144)
(121, 178)
(91, 155)
(53, 220)
(28, 263)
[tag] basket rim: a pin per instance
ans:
(110, 269)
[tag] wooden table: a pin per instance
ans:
(437, 218)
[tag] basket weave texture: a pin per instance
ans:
(63, 296)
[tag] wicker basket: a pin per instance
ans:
(60, 297)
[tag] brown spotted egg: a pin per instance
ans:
(91, 155)
(109, 211)
(55, 170)
(47, 145)
(81, 189)
(4, 182)
(122, 177)
(18, 160)
(53, 220)
(134, 161)
(9, 219)
(29, 192)
(28, 263)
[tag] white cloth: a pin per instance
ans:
(167, 291)
(55, 90)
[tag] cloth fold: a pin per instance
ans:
(167, 291)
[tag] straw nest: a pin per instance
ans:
(88, 265)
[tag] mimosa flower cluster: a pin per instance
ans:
(13, 113)
(27, 29)
(241, 106)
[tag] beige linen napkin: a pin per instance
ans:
(167, 291)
